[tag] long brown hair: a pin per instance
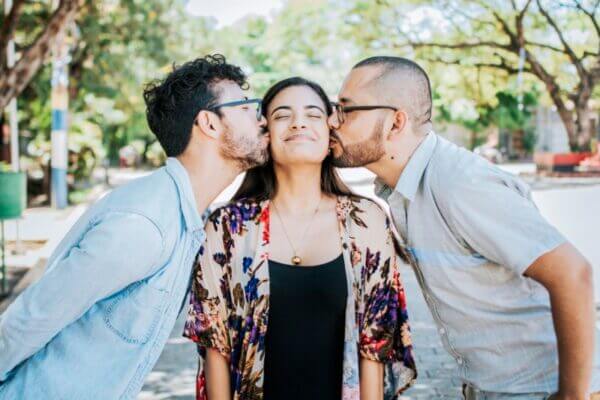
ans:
(260, 182)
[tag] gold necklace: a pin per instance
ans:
(296, 260)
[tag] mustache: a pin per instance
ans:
(335, 136)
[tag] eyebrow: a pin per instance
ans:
(313, 106)
(281, 108)
(290, 108)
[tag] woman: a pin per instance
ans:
(297, 291)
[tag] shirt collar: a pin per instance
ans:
(191, 216)
(413, 172)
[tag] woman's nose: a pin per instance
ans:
(298, 123)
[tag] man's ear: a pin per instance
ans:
(399, 122)
(208, 123)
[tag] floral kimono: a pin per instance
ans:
(229, 305)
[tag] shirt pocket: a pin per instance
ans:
(134, 313)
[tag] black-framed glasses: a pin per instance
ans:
(258, 103)
(342, 110)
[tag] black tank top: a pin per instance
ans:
(304, 346)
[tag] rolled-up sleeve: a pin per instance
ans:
(492, 213)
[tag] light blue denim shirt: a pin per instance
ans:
(473, 230)
(95, 323)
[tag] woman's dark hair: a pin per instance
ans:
(173, 103)
(260, 182)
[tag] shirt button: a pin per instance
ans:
(459, 361)
(442, 331)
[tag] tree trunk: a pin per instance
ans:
(15, 79)
(566, 116)
(584, 127)
(8, 29)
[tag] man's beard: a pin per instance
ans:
(362, 153)
(245, 151)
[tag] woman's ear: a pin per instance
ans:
(208, 123)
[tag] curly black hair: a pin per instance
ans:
(173, 103)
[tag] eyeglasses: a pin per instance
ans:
(258, 103)
(342, 110)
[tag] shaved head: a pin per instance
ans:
(403, 83)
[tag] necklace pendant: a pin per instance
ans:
(296, 260)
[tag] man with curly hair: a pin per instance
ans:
(95, 323)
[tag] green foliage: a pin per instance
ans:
(122, 44)
(513, 114)
(510, 113)
(5, 167)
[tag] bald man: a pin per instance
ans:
(512, 299)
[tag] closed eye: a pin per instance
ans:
(281, 116)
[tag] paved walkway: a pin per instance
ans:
(435, 367)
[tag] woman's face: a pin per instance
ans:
(297, 123)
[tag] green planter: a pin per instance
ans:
(13, 199)
(13, 194)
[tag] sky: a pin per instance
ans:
(228, 12)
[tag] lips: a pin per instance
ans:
(299, 137)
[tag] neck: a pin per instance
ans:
(390, 167)
(298, 187)
(206, 184)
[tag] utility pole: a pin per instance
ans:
(60, 114)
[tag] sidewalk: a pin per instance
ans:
(435, 367)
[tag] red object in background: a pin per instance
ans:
(592, 162)
(570, 158)
(559, 161)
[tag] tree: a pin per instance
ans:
(14, 79)
(547, 35)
